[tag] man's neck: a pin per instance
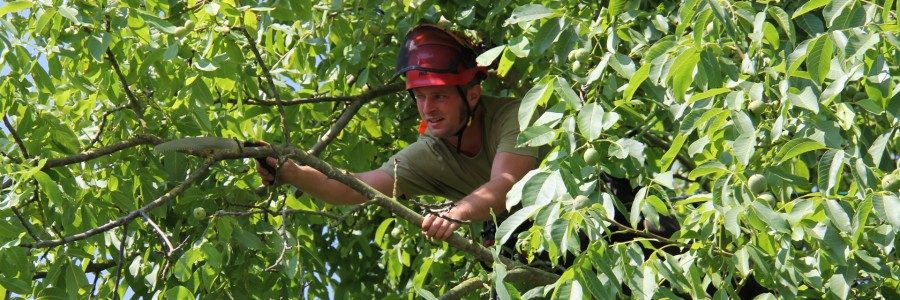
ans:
(471, 137)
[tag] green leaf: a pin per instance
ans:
(536, 96)
(14, 7)
(536, 136)
(616, 7)
(635, 212)
(809, 6)
(636, 81)
(179, 292)
(590, 121)
(547, 35)
(50, 188)
(771, 218)
(837, 216)
(818, 59)
(710, 167)
(528, 13)
(829, 170)
(732, 224)
(98, 45)
(69, 13)
(682, 72)
(488, 57)
(796, 147)
(708, 93)
(506, 229)
(670, 154)
(159, 24)
(877, 149)
(887, 208)
(806, 100)
(565, 91)
(838, 286)
(425, 294)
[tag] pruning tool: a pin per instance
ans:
(210, 144)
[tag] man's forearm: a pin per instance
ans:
(491, 196)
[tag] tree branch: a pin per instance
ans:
(165, 198)
(469, 285)
(536, 276)
(338, 125)
(25, 224)
(251, 42)
(162, 235)
(103, 124)
(124, 243)
(132, 100)
(12, 131)
(284, 211)
(369, 95)
(92, 154)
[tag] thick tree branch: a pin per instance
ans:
(469, 285)
(132, 100)
(92, 154)
(165, 198)
(536, 276)
(12, 131)
(251, 42)
(369, 95)
(162, 235)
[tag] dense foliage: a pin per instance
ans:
(768, 130)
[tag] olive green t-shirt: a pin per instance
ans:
(430, 166)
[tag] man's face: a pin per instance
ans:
(442, 109)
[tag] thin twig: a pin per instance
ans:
(132, 100)
(251, 42)
(13, 159)
(94, 286)
(284, 238)
(368, 95)
(162, 235)
(26, 224)
(103, 125)
(12, 131)
(165, 198)
(652, 235)
(338, 125)
(124, 242)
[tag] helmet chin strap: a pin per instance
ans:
(469, 116)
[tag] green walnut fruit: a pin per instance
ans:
(579, 54)
(767, 198)
(891, 183)
(577, 67)
(582, 201)
(757, 183)
(199, 213)
(591, 156)
(395, 232)
(757, 106)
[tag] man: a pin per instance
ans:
(467, 151)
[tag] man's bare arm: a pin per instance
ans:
(508, 168)
(316, 184)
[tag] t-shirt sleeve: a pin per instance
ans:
(411, 180)
(508, 130)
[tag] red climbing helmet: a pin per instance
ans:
(433, 56)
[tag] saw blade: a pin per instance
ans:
(196, 144)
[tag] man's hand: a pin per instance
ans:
(268, 177)
(436, 227)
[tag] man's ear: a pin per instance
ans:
(474, 94)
